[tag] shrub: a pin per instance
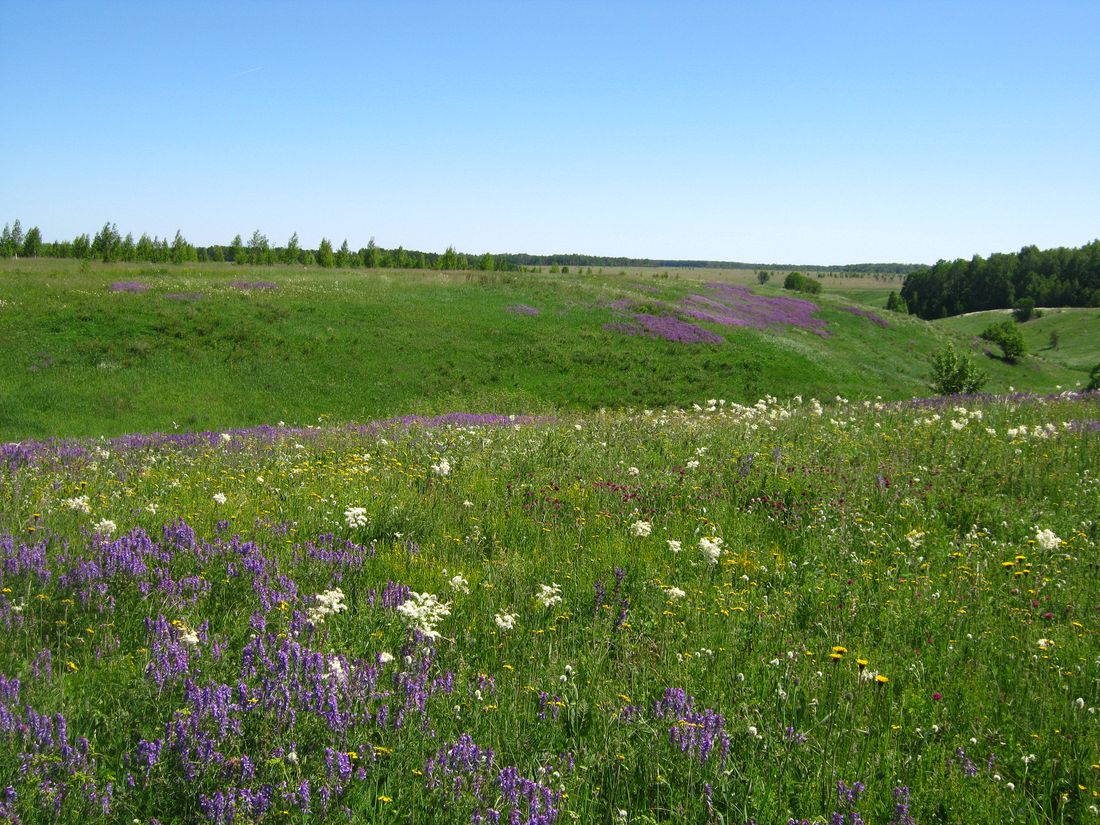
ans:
(1024, 309)
(798, 282)
(953, 373)
(763, 276)
(1005, 335)
(1094, 378)
(895, 303)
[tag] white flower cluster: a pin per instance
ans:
(442, 467)
(423, 611)
(328, 604)
(106, 527)
(1047, 540)
(219, 498)
(355, 517)
(711, 548)
(674, 545)
(549, 594)
(674, 593)
(641, 529)
(505, 621)
(79, 503)
(460, 583)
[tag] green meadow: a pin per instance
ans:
(296, 546)
(188, 350)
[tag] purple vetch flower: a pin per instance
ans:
(901, 814)
(866, 313)
(521, 309)
(129, 286)
(694, 732)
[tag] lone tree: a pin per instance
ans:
(953, 373)
(763, 276)
(1005, 335)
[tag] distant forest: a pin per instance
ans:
(1047, 277)
(109, 245)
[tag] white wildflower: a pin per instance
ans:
(711, 548)
(106, 527)
(219, 498)
(385, 658)
(693, 464)
(328, 604)
(442, 467)
(674, 545)
(355, 517)
(1045, 644)
(674, 593)
(505, 621)
(460, 583)
(226, 437)
(633, 471)
(549, 594)
(1047, 540)
(641, 529)
(189, 637)
(79, 503)
(423, 611)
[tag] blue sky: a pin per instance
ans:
(787, 132)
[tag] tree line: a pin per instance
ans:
(109, 245)
(1046, 277)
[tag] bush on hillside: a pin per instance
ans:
(1024, 309)
(1005, 335)
(1094, 378)
(953, 373)
(895, 303)
(798, 282)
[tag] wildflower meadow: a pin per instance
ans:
(795, 611)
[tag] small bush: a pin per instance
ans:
(1005, 335)
(953, 373)
(1024, 309)
(895, 303)
(763, 276)
(798, 282)
(1094, 378)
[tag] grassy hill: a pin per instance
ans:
(95, 349)
(1076, 345)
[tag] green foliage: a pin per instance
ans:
(953, 373)
(1008, 337)
(895, 303)
(763, 276)
(32, 244)
(1023, 309)
(1051, 277)
(325, 257)
(1094, 378)
(798, 282)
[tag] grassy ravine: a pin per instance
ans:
(903, 597)
(193, 352)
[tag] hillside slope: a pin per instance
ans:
(100, 350)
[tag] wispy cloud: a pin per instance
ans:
(248, 71)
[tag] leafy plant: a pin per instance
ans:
(1094, 378)
(1005, 335)
(953, 373)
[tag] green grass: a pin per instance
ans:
(357, 345)
(910, 540)
(1077, 330)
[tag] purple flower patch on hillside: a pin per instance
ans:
(734, 305)
(253, 285)
(866, 313)
(667, 327)
(521, 309)
(129, 286)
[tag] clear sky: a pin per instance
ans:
(787, 132)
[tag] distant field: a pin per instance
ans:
(95, 349)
